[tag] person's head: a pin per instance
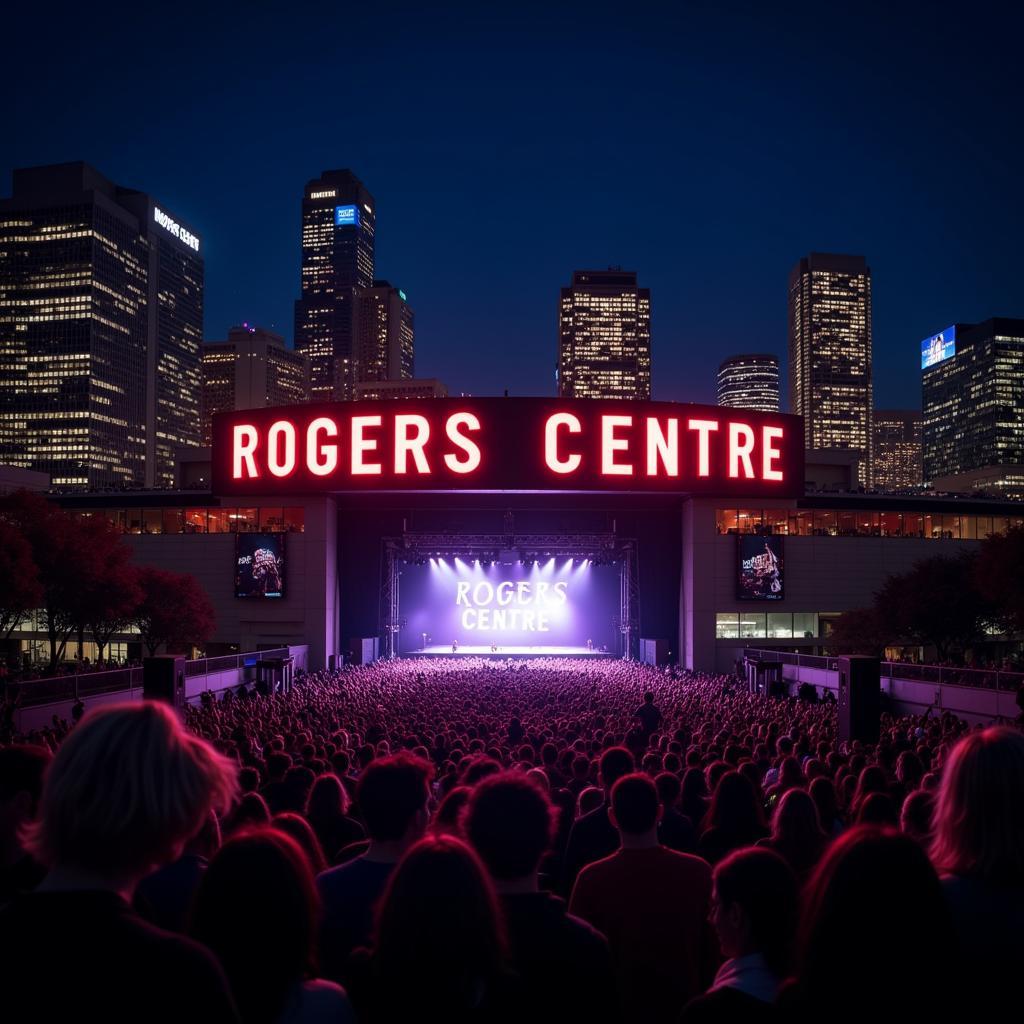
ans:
(589, 800)
(439, 930)
(796, 821)
(865, 875)
(734, 807)
(327, 799)
(21, 784)
(449, 812)
(636, 809)
(877, 809)
(256, 908)
(510, 822)
(296, 826)
(392, 795)
(755, 903)
(823, 793)
(979, 808)
(615, 762)
(251, 810)
(916, 815)
(126, 790)
(669, 789)
(648, 698)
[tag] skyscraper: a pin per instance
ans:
(830, 353)
(337, 259)
(251, 370)
(896, 452)
(604, 336)
(101, 318)
(749, 382)
(972, 390)
(385, 334)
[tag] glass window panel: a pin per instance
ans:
(173, 520)
(725, 520)
(846, 523)
(913, 524)
(801, 524)
(891, 524)
(152, 520)
(220, 519)
(272, 520)
(295, 520)
(727, 625)
(244, 520)
(824, 524)
(932, 526)
(776, 520)
(752, 625)
(984, 526)
(999, 524)
(805, 624)
(780, 625)
(195, 520)
(969, 527)
(749, 520)
(133, 520)
(951, 527)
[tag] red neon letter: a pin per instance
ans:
(321, 458)
(404, 444)
(610, 444)
(554, 421)
(704, 428)
(243, 445)
(661, 447)
(472, 450)
(281, 430)
(769, 453)
(362, 444)
(739, 450)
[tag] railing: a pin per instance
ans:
(31, 693)
(942, 675)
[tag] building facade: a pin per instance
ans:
(251, 370)
(830, 382)
(749, 382)
(338, 223)
(385, 330)
(425, 387)
(101, 316)
(896, 452)
(972, 392)
(604, 336)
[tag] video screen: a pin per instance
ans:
(564, 604)
(259, 565)
(760, 576)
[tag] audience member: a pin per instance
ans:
(21, 783)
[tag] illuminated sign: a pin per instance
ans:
(760, 576)
(330, 194)
(172, 227)
(401, 295)
(508, 444)
(346, 216)
(938, 347)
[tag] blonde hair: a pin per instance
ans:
(979, 809)
(126, 788)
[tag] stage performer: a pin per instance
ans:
(455, 647)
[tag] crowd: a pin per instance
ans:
(465, 840)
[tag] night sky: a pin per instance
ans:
(706, 146)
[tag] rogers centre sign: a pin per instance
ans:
(507, 444)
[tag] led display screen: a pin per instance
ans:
(346, 216)
(557, 602)
(259, 565)
(938, 347)
(760, 568)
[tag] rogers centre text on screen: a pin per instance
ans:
(524, 444)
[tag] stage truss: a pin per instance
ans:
(600, 548)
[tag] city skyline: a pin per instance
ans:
(463, 196)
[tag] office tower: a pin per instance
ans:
(101, 318)
(896, 452)
(749, 382)
(385, 334)
(972, 390)
(337, 260)
(251, 370)
(604, 336)
(425, 387)
(830, 353)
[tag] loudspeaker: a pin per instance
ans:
(860, 703)
(365, 649)
(654, 652)
(163, 678)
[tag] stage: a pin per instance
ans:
(439, 651)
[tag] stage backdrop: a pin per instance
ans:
(555, 603)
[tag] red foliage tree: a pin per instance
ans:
(174, 610)
(20, 590)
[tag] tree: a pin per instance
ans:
(860, 631)
(63, 550)
(174, 610)
(999, 577)
(20, 590)
(936, 603)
